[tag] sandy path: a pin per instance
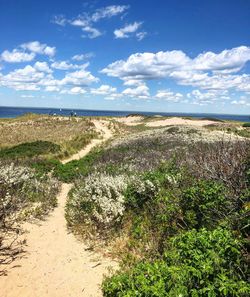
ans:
(101, 126)
(56, 264)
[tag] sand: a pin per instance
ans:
(55, 263)
(101, 126)
(175, 121)
(179, 121)
(130, 121)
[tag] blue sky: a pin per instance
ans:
(183, 56)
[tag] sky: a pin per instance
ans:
(167, 56)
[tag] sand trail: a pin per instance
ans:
(101, 126)
(55, 263)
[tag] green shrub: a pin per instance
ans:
(138, 192)
(29, 149)
(204, 204)
(96, 200)
(246, 125)
(43, 166)
(197, 263)
(76, 169)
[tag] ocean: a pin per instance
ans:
(13, 112)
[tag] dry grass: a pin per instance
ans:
(59, 130)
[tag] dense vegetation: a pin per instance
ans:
(176, 212)
(71, 134)
(172, 203)
(29, 149)
(23, 195)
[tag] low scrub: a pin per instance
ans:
(29, 149)
(196, 263)
(23, 195)
(97, 200)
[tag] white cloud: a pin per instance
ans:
(52, 89)
(79, 78)
(242, 102)
(103, 90)
(113, 96)
(27, 74)
(141, 92)
(64, 65)
(208, 71)
(126, 31)
(133, 82)
(40, 76)
(169, 96)
(92, 32)
(108, 12)
(141, 35)
(39, 48)
(83, 57)
(27, 96)
(42, 66)
(147, 65)
(26, 52)
(86, 21)
(74, 91)
(227, 61)
(17, 56)
(59, 20)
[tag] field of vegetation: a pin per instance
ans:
(64, 136)
(30, 147)
(170, 203)
(173, 204)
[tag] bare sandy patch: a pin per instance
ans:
(179, 121)
(131, 120)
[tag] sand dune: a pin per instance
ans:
(55, 263)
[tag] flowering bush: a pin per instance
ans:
(98, 198)
(20, 189)
(139, 191)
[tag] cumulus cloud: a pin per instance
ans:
(52, 89)
(39, 48)
(40, 76)
(42, 66)
(141, 92)
(74, 91)
(103, 90)
(79, 78)
(208, 70)
(243, 102)
(64, 65)
(168, 95)
(127, 30)
(147, 65)
(26, 52)
(17, 56)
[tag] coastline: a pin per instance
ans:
(14, 112)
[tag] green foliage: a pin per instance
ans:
(204, 204)
(197, 263)
(78, 168)
(44, 166)
(29, 149)
(139, 192)
(246, 125)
